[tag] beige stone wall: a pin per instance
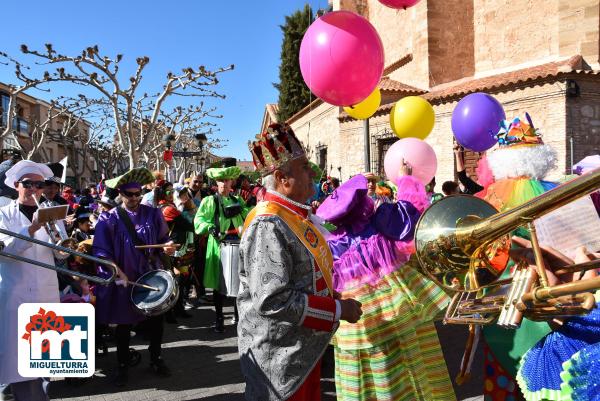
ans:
(578, 23)
(515, 32)
(404, 32)
(320, 128)
(451, 40)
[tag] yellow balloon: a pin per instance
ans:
(412, 116)
(366, 108)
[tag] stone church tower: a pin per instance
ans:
(539, 56)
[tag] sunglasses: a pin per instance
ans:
(28, 184)
(168, 192)
(131, 194)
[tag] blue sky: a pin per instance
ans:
(174, 34)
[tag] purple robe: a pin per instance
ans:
(112, 241)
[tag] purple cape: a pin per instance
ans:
(113, 242)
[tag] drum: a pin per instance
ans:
(153, 303)
(230, 256)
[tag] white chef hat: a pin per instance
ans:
(23, 167)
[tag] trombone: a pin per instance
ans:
(57, 236)
(57, 248)
(463, 243)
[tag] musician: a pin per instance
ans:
(114, 241)
(288, 313)
(220, 217)
(53, 183)
(21, 282)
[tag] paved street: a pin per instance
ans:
(205, 367)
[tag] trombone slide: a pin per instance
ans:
(113, 267)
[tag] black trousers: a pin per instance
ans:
(219, 299)
(153, 328)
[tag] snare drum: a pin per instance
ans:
(153, 303)
(230, 256)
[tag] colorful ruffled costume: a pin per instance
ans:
(392, 352)
(581, 375)
(540, 376)
(518, 166)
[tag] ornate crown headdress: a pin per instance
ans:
(275, 147)
(518, 132)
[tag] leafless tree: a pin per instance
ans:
(25, 82)
(136, 115)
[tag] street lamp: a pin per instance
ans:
(201, 141)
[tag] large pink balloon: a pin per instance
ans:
(415, 152)
(341, 58)
(399, 3)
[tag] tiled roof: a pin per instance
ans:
(389, 85)
(305, 110)
(460, 88)
(492, 83)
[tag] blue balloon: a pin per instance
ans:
(475, 121)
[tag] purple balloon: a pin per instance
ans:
(475, 121)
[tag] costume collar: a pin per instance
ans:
(296, 207)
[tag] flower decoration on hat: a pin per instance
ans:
(275, 147)
(518, 132)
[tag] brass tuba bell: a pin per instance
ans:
(462, 243)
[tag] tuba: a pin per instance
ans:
(462, 243)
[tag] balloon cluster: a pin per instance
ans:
(342, 61)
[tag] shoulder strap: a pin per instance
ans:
(131, 231)
(129, 226)
(217, 200)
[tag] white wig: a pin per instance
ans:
(522, 161)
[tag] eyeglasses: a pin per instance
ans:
(128, 194)
(28, 184)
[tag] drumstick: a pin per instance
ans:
(156, 246)
(143, 286)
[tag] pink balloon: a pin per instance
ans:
(341, 58)
(399, 3)
(415, 152)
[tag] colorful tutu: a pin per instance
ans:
(511, 192)
(581, 375)
(539, 376)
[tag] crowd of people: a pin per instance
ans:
(308, 261)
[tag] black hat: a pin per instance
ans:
(228, 162)
(57, 171)
(82, 213)
(108, 200)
